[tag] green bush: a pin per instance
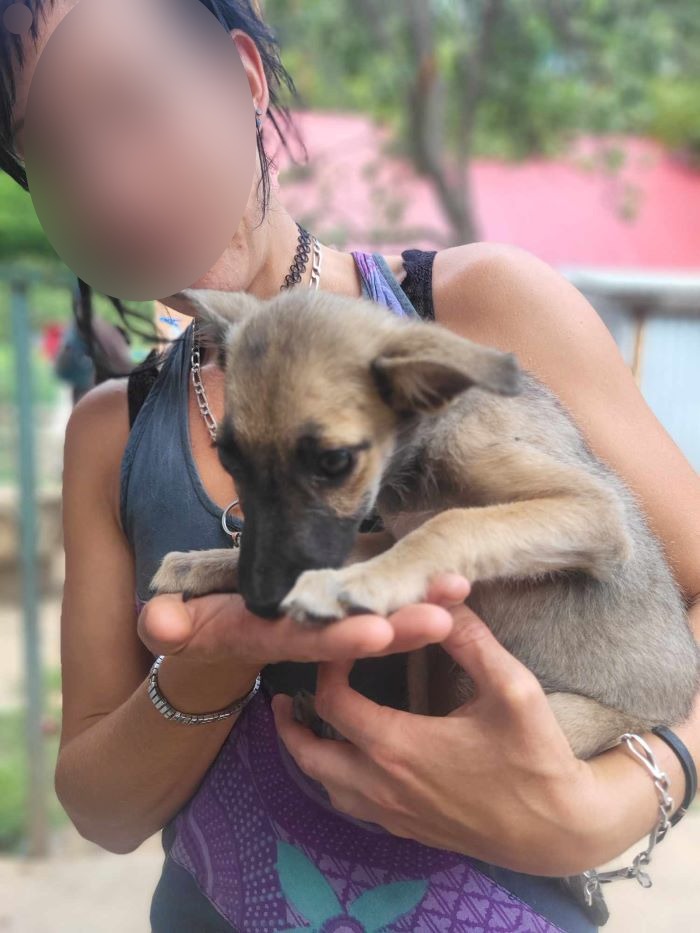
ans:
(13, 769)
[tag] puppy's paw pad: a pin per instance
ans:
(351, 607)
(306, 619)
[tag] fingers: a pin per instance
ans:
(165, 624)
(285, 640)
(497, 674)
(418, 625)
(324, 760)
(218, 625)
(364, 723)
(354, 715)
(448, 589)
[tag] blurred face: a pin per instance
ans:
(138, 141)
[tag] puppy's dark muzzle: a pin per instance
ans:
(265, 610)
(276, 550)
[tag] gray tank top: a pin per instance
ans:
(164, 506)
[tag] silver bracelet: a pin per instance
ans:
(643, 753)
(165, 709)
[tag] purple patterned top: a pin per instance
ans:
(269, 850)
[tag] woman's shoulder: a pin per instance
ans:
(101, 408)
(457, 268)
(468, 275)
(507, 297)
(96, 436)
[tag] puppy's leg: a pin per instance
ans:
(512, 540)
(196, 573)
(589, 726)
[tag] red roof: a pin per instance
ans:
(569, 211)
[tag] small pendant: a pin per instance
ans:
(234, 535)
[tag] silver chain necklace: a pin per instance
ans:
(293, 277)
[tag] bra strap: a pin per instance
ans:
(139, 385)
(418, 281)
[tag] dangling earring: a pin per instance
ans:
(258, 118)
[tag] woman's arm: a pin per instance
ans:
(632, 803)
(506, 297)
(123, 769)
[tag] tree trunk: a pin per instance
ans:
(427, 137)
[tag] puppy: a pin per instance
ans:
(335, 409)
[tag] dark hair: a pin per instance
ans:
(232, 14)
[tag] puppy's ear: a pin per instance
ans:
(422, 367)
(217, 313)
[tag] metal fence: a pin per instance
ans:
(19, 283)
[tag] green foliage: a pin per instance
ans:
(21, 233)
(675, 115)
(555, 67)
(13, 768)
(12, 782)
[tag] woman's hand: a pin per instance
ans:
(218, 629)
(495, 779)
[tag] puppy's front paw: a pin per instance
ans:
(197, 573)
(313, 600)
(320, 597)
(174, 574)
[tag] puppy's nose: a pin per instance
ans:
(265, 610)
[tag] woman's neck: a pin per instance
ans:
(338, 269)
(270, 250)
(261, 256)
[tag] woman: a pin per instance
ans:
(461, 822)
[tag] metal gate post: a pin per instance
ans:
(37, 826)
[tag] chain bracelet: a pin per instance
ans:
(644, 754)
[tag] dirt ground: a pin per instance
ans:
(84, 889)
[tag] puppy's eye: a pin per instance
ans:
(335, 462)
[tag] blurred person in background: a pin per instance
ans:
(73, 362)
